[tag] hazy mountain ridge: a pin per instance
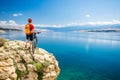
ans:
(114, 28)
(86, 28)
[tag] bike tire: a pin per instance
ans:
(34, 43)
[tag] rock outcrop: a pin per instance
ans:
(19, 63)
(2, 31)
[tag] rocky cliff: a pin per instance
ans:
(18, 63)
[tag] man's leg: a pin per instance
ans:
(31, 39)
(31, 44)
(26, 43)
(26, 40)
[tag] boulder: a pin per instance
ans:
(19, 63)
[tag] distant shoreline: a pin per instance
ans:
(62, 30)
(2, 31)
(97, 31)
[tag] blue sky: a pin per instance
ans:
(60, 12)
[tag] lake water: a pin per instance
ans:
(81, 55)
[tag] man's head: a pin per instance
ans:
(29, 20)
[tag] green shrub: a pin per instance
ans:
(46, 63)
(32, 62)
(38, 66)
(19, 74)
(40, 75)
(20, 48)
(2, 41)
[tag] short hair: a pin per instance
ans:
(29, 20)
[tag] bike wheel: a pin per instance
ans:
(34, 45)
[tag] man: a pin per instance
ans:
(29, 30)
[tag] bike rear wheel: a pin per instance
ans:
(34, 43)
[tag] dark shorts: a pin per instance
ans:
(29, 36)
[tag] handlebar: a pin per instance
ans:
(34, 34)
(37, 32)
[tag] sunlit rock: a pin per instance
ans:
(18, 63)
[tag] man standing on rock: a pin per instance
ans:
(29, 31)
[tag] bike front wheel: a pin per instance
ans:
(34, 43)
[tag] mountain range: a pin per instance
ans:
(85, 28)
(88, 28)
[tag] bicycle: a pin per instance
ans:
(35, 41)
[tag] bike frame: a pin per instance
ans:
(34, 42)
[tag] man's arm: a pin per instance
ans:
(32, 29)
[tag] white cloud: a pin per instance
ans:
(10, 24)
(114, 21)
(3, 22)
(7, 23)
(13, 24)
(87, 15)
(17, 14)
(47, 25)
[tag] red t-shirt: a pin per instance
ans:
(31, 27)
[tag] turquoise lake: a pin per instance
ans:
(81, 55)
